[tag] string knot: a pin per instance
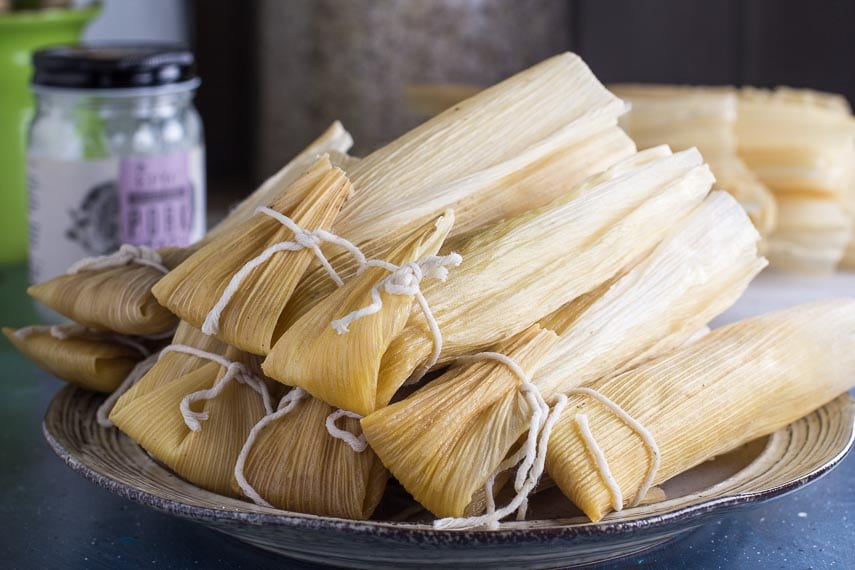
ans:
(125, 255)
(307, 239)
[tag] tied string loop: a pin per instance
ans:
(303, 239)
(286, 405)
(531, 457)
(599, 457)
(125, 255)
(406, 280)
(74, 330)
(356, 443)
(234, 371)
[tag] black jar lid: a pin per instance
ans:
(113, 66)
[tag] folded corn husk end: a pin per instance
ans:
(735, 384)
(250, 317)
(444, 441)
(296, 465)
(341, 368)
(91, 361)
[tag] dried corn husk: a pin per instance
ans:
(703, 117)
(654, 306)
(813, 234)
(445, 465)
(120, 299)
(735, 384)
(295, 464)
(150, 414)
(800, 144)
(94, 361)
(519, 271)
(342, 368)
(251, 317)
(506, 150)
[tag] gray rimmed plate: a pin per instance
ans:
(759, 471)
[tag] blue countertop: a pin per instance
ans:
(52, 518)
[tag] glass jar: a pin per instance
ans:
(115, 153)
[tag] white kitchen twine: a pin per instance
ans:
(234, 371)
(533, 452)
(134, 376)
(303, 239)
(286, 405)
(288, 402)
(356, 443)
(59, 332)
(74, 330)
(126, 254)
(406, 280)
(599, 457)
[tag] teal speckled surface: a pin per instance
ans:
(52, 518)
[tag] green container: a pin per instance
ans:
(20, 34)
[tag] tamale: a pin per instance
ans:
(295, 464)
(421, 437)
(119, 298)
(703, 117)
(738, 383)
(212, 289)
(151, 414)
(656, 305)
(326, 362)
(94, 361)
(519, 271)
(506, 150)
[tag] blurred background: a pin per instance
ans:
(276, 72)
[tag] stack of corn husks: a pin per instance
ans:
(703, 117)
(801, 144)
(508, 288)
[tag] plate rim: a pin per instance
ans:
(391, 529)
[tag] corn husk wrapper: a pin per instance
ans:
(506, 150)
(517, 272)
(149, 413)
(429, 426)
(251, 319)
(119, 299)
(658, 304)
(92, 361)
(813, 235)
(296, 465)
(342, 368)
(702, 117)
(737, 383)
(800, 144)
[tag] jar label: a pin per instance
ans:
(81, 208)
(156, 200)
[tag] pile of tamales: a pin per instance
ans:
(508, 291)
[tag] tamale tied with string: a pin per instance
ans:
(737, 383)
(213, 291)
(151, 411)
(324, 361)
(89, 359)
(296, 465)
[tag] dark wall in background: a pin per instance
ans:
(743, 42)
(765, 43)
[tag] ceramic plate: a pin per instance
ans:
(759, 471)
